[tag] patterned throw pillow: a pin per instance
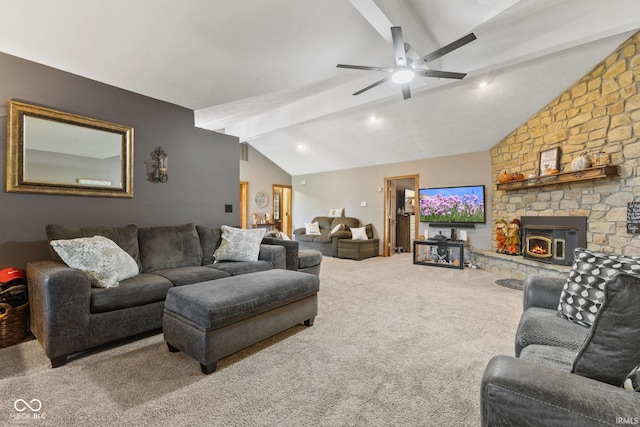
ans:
(239, 245)
(583, 292)
(632, 382)
(98, 256)
(312, 229)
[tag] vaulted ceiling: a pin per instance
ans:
(265, 71)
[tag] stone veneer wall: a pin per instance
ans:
(601, 112)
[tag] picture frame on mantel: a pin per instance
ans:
(548, 160)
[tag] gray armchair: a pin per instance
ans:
(567, 374)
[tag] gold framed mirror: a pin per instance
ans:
(55, 152)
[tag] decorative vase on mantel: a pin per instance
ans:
(580, 162)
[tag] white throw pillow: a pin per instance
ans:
(337, 228)
(334, 213)
(359, 233)
(312, 229)
(238, 244)
(98, 256)
(284, 236)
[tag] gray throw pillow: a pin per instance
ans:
(239, 245)
(612, 347)
(98, 256)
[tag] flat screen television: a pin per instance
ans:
(452, 205)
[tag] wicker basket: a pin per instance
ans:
(13, 324)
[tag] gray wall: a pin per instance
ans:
(348, 188)
(203, 167)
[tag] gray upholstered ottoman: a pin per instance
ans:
(211, 320)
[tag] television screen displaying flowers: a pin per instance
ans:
(462, 205)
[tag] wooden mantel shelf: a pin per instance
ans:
(560, 178)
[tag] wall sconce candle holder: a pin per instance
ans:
(157, 166)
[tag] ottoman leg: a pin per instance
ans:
(172, 349)
(207, 369)
(309, 322)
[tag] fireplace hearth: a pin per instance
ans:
(552, 239)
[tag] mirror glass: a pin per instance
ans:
(53, 152)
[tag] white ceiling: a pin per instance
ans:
(265, 71)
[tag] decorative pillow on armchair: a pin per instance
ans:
(239, 245)
(359, 233)
(582, 295)
(98, 256)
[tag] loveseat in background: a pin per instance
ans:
(68, 315)
(338, 244)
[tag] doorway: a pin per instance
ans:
(282, 207)
(400, 204)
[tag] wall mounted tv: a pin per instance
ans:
(452, 206)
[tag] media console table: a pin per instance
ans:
(439, 253)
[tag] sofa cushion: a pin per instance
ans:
(136, 291)
(101, 258)
(612, 347)
(126, 237)
(210, 239)
(167, 247)
(542, 326)
(324, 222)
(239, 245)
(582, 295)
(180, 276)
(236, 268)
(553, 357)
(349, 222)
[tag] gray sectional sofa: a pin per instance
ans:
(68, 315)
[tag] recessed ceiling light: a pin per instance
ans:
(301, 147)
(483, 84)
(373, 118)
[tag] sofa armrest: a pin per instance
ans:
(291, 247)
(60, 304)
(541, 291)
(342, 234)
(516, 392)
(300, 231)
(275, 254)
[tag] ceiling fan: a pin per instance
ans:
(405, 69)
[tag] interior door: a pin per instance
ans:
(282, 207)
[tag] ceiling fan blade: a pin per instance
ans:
(406, 91)
(371, 86)
(448, 48)
(398, 46)
(442, 74)
(366, 68)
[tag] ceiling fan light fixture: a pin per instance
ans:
(403, 75)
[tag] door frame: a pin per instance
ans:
(389, 217)
(244, 204)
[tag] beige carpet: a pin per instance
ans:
(394, 344)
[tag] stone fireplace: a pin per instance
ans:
(553, 239)
(599, 113)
